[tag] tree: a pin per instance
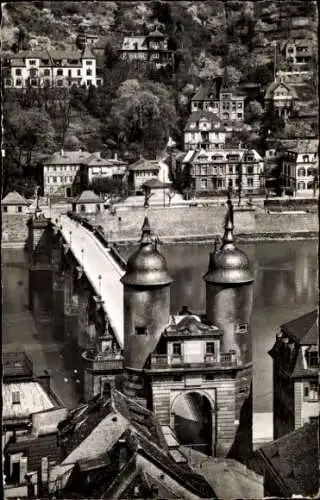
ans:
(253, 112)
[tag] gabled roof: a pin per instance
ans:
(88, 197)
(14, 198)
(33, 398)
(190, 326)
(304, 329)
(203, 93)
(274, 85)
(292, 462)
(155, 34)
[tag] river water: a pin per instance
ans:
(285, 287)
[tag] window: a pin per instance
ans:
(79, 72)
(310, 171)
(301, 172)
(301, 186)
(306, 158)
(311, 391)
(176, 349)
(210, 376)
(60, 83)
(89, 82)
(18, 72)
(250, 170)
(141, 330)
(46, 72)
(16, 398)
(33, 83)
(177, 378)
(239, 105)
(32, 62)
(241, 328)
(239, 115)
(234, 106)
(230, 169)
(18, 82)
(204, 183)
(60, 72)
(89, 72)
(54, 179)
(5, 208)
(250, 181)
(312, 359)
(313, 420)
(88, 63)
(69, 73)
(209, 347)
(19, 209)
(82, 208)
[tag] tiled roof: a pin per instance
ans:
(304, 329)
(14, 198)
(191, 326)
(16, 364)
(156, 34)
(144, 164)
(203, 93)
(292, 461)
(227, 477)
(68, 158)
(88, 197)
(33, 398)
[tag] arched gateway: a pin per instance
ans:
(192, 417)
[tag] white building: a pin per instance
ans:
(111, 168)
(204, 131)
(88, 202)
(300, 168)
(50, 68)
(219, 170)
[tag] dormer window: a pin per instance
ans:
(312, 358)
(176, 349)
(141, 330)
(16, 397)
(311, 391)
(241, 328)
(210, 348)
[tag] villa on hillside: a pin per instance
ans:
(281, 98)
(297, 51)
(219, 98)
(50, 68)
(204, 130)
(152, 48)
(219, 170)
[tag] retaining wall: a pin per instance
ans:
(14, 230)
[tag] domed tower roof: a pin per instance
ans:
(146, 266)
(228, 265)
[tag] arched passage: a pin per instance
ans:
(192, 421)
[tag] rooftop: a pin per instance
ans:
(87, 197)
(144, 164)
(68, 158)
(30, 397)
(14, 198)
(304, 330)
(292, 461)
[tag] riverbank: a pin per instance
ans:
(183, 224)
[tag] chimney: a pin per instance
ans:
(115, 156)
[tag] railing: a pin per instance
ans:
(223, 359)
(103, 362)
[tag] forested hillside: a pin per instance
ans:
(135, 111)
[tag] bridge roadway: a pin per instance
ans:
(96, 260)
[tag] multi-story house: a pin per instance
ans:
(152, 48)
(295, 356)
(300, 168)
(50, 68)
(67, 173)
(14, 203)
(281, 98)
(204, 130)
(112, 168)
(297, 51)
(140, 172)
(221, 170)
(220, 99)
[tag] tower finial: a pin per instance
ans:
(146, 232)
(228, 226)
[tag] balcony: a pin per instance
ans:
(102, 361)
(222, 360)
